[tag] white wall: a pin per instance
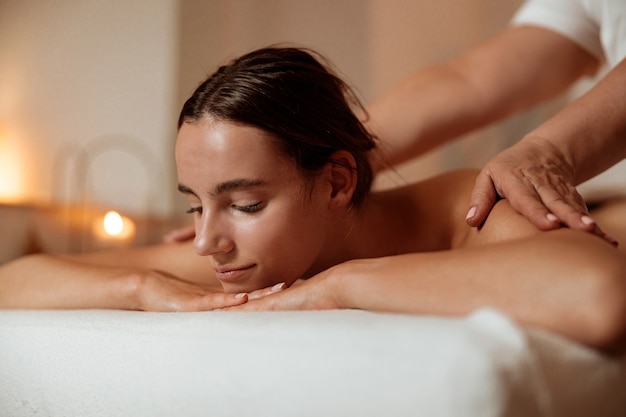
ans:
(374, 44)
(213, 32)
(408, 35)
(73, 71)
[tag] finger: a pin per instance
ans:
(255, 295)
(482, 199)
(573, 213)
(569, 208)
(260, 304)
(216, 301)
(525, 200)
(278, 300)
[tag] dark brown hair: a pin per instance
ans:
(290, 94)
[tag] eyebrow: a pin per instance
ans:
(226, 186)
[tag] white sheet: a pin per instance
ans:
(331, 363)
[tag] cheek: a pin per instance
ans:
(286, 244)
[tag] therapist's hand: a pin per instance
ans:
(537, 180)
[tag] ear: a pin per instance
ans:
(343, 179)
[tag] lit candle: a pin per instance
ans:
(11, 169)
(114, 227)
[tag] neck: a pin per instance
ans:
(387, 224)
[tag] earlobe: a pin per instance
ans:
(343, 178)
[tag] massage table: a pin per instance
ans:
(301, 363)
(345, 363)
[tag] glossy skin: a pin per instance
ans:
(514, 71)
(249, 205)
(519, 68)
(261, 226)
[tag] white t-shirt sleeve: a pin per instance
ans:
(567, 17)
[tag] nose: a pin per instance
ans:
(212, 236)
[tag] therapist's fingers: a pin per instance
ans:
(520, 192)
(482, 200)
(525, 199)
(569, 207)
(542, 196)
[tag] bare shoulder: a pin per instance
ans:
(453, 187)
(446, 197)
(503, 222)
(444, 201)
(611, 217)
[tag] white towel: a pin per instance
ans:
(327, 363)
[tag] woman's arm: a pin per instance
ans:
(564, 281)
(160, 278)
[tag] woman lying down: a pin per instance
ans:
(274, 164)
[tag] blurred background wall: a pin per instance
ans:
(90, 90)
(77, 73)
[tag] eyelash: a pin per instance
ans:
(246, 209)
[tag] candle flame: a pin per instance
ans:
(11, 170)
(113, 223)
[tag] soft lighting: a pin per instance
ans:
(11, 170)
(114, 227)
(113, 223)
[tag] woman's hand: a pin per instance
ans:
(160, 291)
(538, 182)
(316, 293)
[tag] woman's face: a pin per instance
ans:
(255, 220)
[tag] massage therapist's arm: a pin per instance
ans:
(539, 173)
(502, 76)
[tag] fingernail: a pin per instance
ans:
(471, 213)
(587, 220)
(551, 217)
(278, 287)
(241, 295)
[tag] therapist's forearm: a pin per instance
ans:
(591, 132)
(422, 113)
(500, 77)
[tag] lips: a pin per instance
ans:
(232, 274)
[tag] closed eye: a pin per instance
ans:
(248, 209)
(194, 210)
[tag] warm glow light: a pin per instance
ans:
(114, 227)
(113, 223)
(11, 170)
